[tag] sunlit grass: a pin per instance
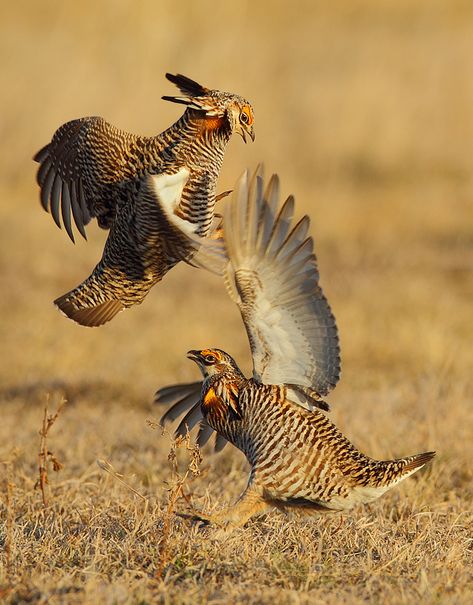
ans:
(365, 110)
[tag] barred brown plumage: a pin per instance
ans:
(92, 169)
(299, 459)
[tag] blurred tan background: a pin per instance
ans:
(364, 108)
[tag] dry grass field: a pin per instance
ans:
(365, 109)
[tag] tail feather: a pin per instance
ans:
(96, 300)
(388, 473)
(91, 316)
(414, 463)
(381, 476)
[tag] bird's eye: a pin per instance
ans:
(210, 358)
(244, 117)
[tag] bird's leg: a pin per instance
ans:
(217, 230)
(220, 196)
(250, 503)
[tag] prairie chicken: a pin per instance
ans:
(92, 169)
(299, 459)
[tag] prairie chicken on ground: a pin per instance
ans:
(92, 169)
(299, 459)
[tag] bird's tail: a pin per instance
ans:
(393, 471)
(88, 305)
(106, 292)
(383, 474)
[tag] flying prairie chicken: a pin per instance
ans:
(92, 169)
(299, 459)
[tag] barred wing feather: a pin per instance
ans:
(271, 273)
(79, 169)
(272, 276)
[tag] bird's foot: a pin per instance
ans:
(219, 520)
(196, 517)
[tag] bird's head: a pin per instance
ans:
(227, 107)
(240, 116)
(221, 383)
(213, 361)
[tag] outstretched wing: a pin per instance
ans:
(271, 273)
(80, 169)
(185, 399)
(272, 276)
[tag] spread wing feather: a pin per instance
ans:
(185, 398)
(171, 394)
(270, 271)
(81, 168)
(181, 406)
(273, 275)
(190, 420)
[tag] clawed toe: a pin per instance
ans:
(196, 517)
(202, 520)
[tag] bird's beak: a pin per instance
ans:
(194, 355)
(246, 130)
